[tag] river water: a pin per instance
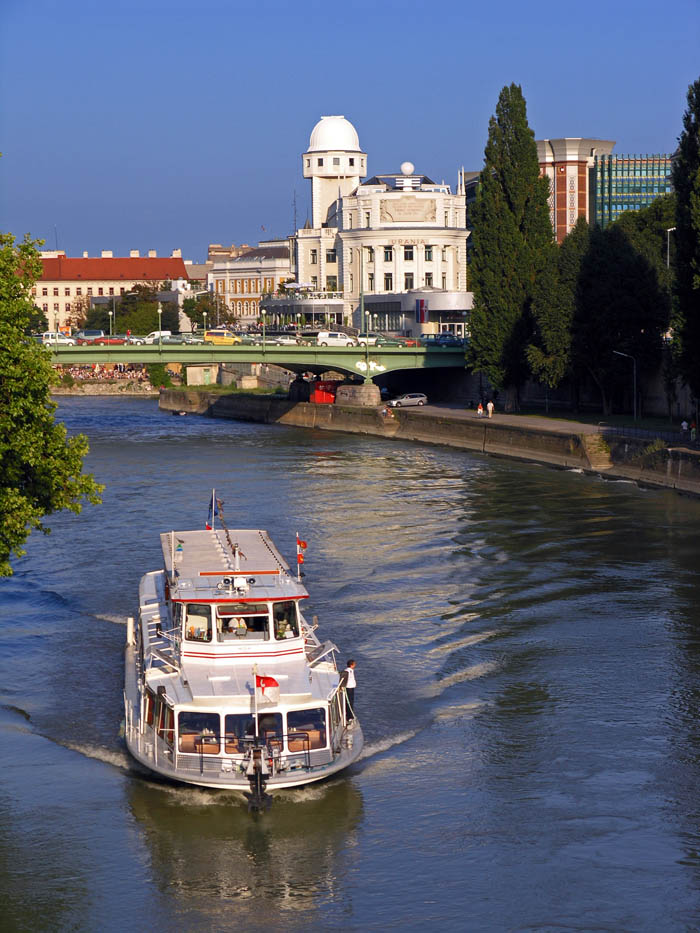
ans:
(528, 652)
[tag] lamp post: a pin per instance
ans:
(263, 312)
(634, 377)
(297, 316)
(160, 331)
(114, 313)
(363, 316)
(669, 231)
(204, 317)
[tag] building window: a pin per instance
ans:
(308, 163)
(239, 306)
(66, 291)
(349, 221)
(320, 163)
(408, 253)
(368, 218)
(447, 218)
(388, 281)
(444, 254)
(100, 291)
(408, 281)
(55, 291)
(428, 253)
(332, 283)
(429, 278)
(67, 308)
(55, 307)
(78, 290)
(45, 291)
(45, 308)
(111, 291)
(388, 254)
(89, 291)
(370, 282)
(351, 161)
(352, 282)
(313, 257)
(331, 255)
(336, 160)
(314, 282)
(122, 291)
(245, 307)
(370, 254)
(444, 282)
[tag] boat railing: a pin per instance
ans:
(208, 745)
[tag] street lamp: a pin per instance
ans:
(669, 231)
(111, 314)
(263, 312)
(204, 316)
(297, 316)
(160, 332)
(634, 377)
(114, 313)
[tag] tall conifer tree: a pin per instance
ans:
(511, 236)
(686, 181)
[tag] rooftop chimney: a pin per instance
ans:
(85, 254)
(107, 254)
(134, 253)
(176, 254)
(152, 254)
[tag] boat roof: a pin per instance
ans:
(227, 565)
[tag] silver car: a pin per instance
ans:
(410, 398)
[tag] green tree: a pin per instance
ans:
(554, 306)
(511, 237)
(41, 467)
(620, 306)
(194, 308)
(686, 182)
(37, 323)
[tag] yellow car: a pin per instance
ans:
(221, 336)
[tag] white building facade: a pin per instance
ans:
(390, 235)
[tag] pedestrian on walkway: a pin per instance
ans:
(480, 411)
(489, 408)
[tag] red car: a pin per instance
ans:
(102, 341)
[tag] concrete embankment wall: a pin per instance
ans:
(644, 461)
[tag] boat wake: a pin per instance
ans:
(117, 759)
(377, 748)
(114, 619)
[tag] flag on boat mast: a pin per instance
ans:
(301, 547)
(267, 689)
(213, 511)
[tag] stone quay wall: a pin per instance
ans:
(642, 460)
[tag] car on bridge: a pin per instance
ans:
(221, 337)
(180, 339)
(102, 341)
(52, 337)
(88, 334)
(331, 338)
(368, 337)
(410, 398)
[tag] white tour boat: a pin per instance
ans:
(227, 684)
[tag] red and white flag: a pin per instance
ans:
(301, 547)
(267, 689)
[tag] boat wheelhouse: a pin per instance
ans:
(227, 684)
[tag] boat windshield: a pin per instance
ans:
(197, 622)
(241, 726)
(285, 618)
(242, 620)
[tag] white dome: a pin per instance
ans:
(334, 134)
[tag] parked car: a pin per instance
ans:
(410, 398)
(54, 337)
(88, 334)
(331, 338)
(384, 341)
(221, 336)
(287, 340)
(157, 335)
(135, 340)
(368, 337)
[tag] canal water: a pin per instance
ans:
(528, 652)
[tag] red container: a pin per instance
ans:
(324, 391)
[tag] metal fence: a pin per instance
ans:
(676, 438)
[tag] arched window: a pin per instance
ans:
(245, 307)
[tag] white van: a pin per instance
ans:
(331, 338)
(157, 335)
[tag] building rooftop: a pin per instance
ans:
(143, 268)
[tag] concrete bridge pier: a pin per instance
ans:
(366, 395)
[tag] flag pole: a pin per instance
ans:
(255, 696)
(213, 509)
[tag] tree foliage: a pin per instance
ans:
(686, 182)
(511, 239)
(41, 467)
(136, 312)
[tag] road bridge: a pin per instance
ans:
(363, 361)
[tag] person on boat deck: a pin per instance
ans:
(347, 681)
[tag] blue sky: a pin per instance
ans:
(145, 124)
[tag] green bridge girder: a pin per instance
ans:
(353, 360)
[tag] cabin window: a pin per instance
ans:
(310, 723)
(242, 620)
(166, 723)
(148, 705)
(199, 733)
(198, 622)
(241, 726)
(284, 616)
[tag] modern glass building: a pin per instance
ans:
(622, 183)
